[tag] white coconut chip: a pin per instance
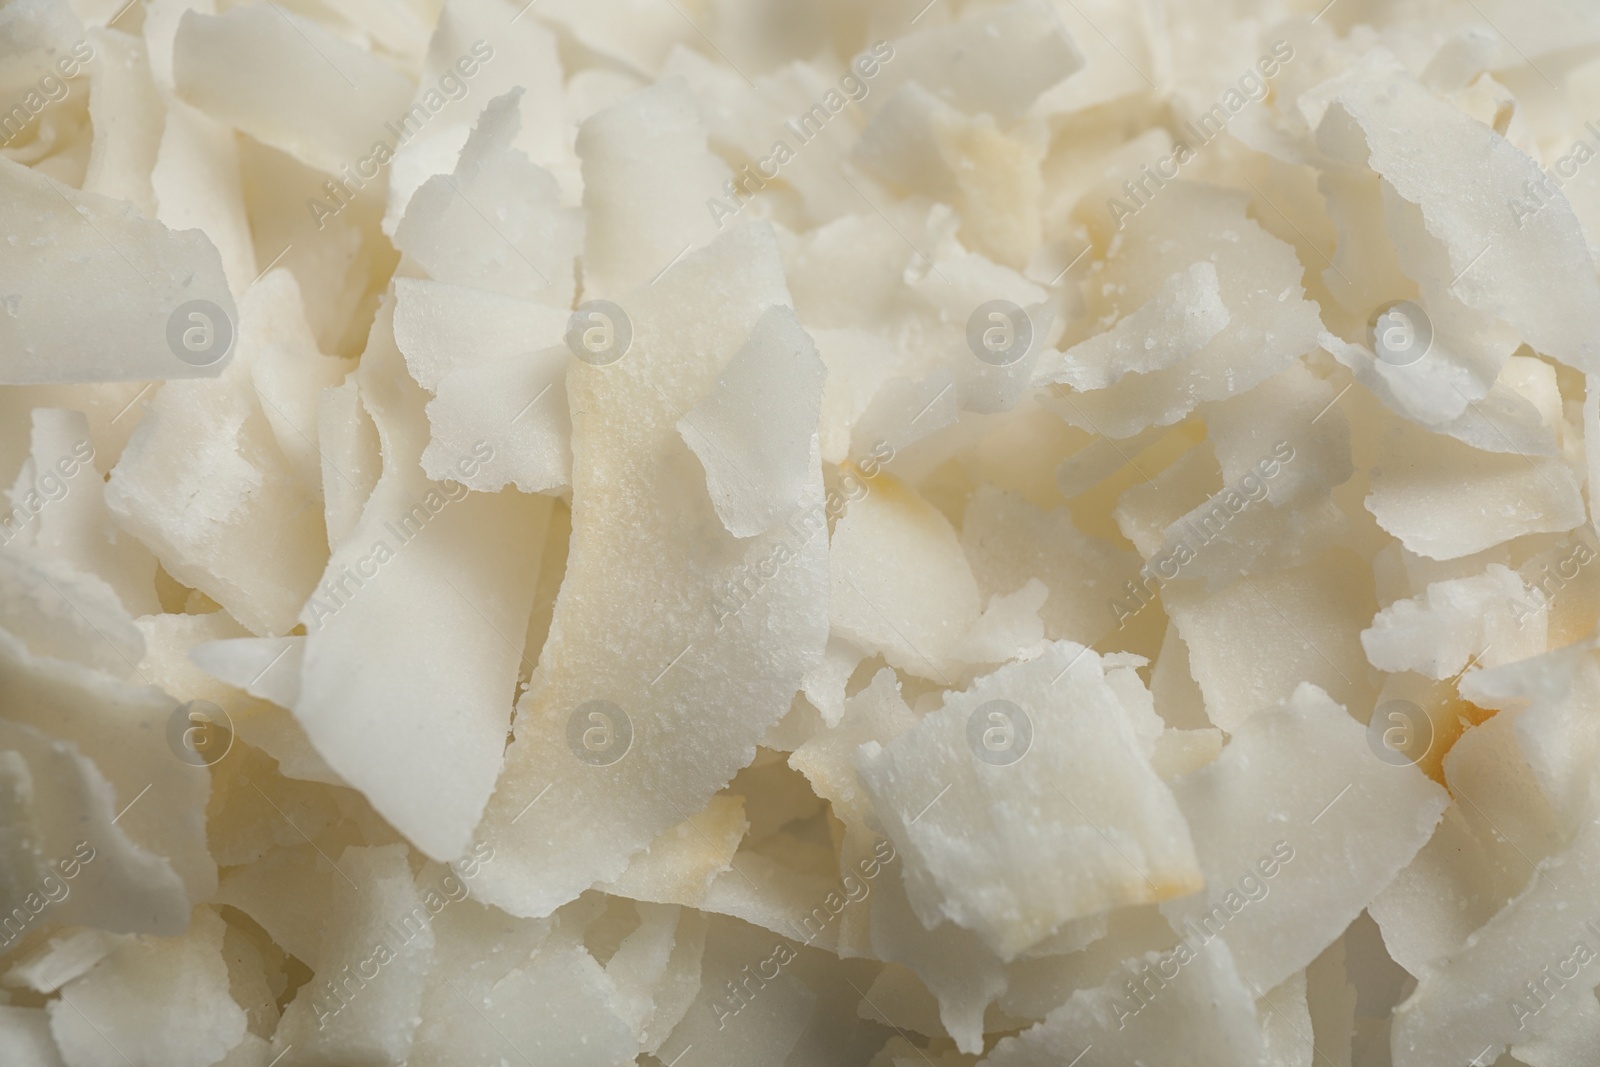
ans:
(205, 485)
(646, 176)
(899, 582)
(1009, 541)
(77, 527)
(1183, 316)
(410, 549)
(162, 1000)
(69, 862)
(1478, 995)
(996, 61)
(979, 861)
(521, 242)
(121, 728)
(1400, 125)
(371, 965)
(638, 515)
(1439, 631)
(1270, 323)
(1252, 644)
(1206, 1016)
(1292, 851)
(756, 431)
(1444, 499)
(275, 75)
(25, 1038)
(142, 273)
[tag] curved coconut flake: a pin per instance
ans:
(900, 585)
(265, 667)
(496, 222)
(286, 368)
(1476, 1001)
(122, 729)
(442, 327)
(1184, 316)
(679, 866)
(497, 366)
(127, 115)
(62, 958)
(1294, 848)
(504, 986)
(755, 432)
(196, 178)
(60, 611)
(1205, 1016)
(1254, 642)
(1480, 856)
(954, 963)
(936, 334)
(503, 53)
(77, 528)
(1489, 619)
(1574, 1030)
(647, 174)
(1270, 322)
(1453, 870)
(1444, 499)
(351, 460)
(996, 61)
(859, 364)
(1556, 730)
(636, 623)
(153, 1001)
(288, 82)
(876, 713)
(979, 855)
(1532, 269)
(518, 405)
(140, 271)
(916, 142)
(205, 486)
(421, 549)
(379, 922)
(76, 864)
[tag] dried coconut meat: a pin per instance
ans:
(754, 533)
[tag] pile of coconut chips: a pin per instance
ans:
(745, 533)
